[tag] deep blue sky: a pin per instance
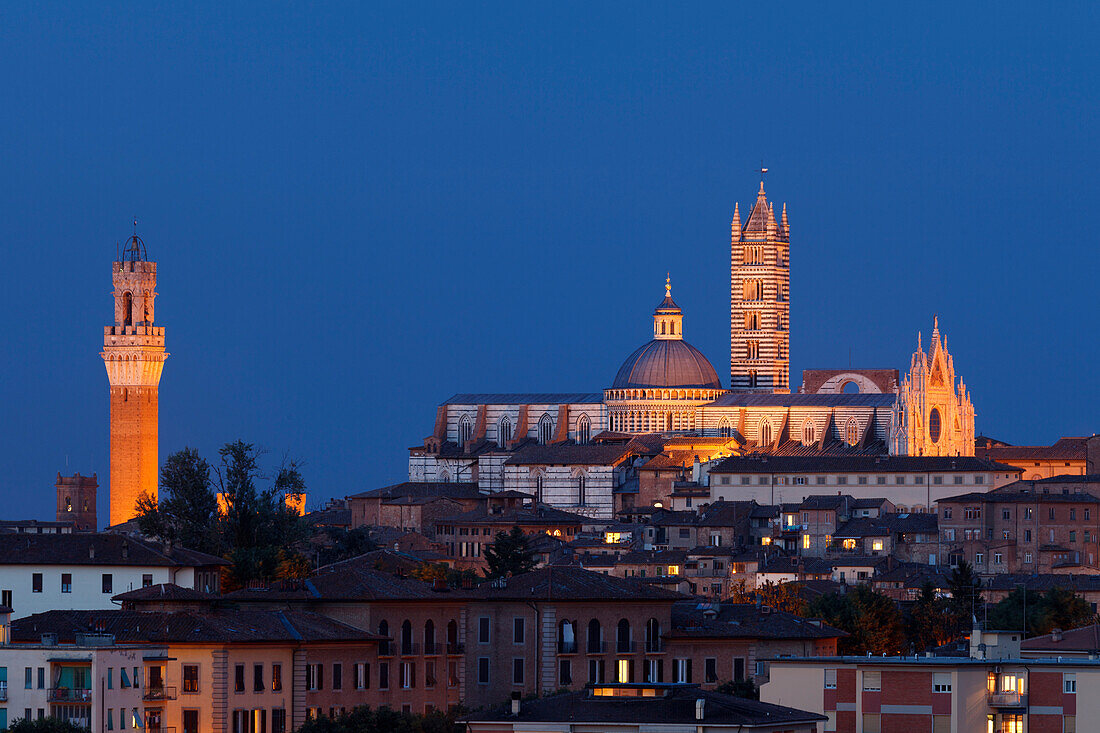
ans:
(359, 210)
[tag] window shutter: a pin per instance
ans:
(689, 671)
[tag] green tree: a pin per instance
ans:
(346, 544)
(45, 725)
(924, 625)
(1008, 614)
(745, 688)
(186, 512)
(1058, 608)
(383, 720)
(509, 553)
(872, 620)
(429, 572)
(965, 601)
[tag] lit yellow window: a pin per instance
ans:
(876, 545)
(612, 538)
(805, 542)
(849, 544)
(622, 672)
(673, 569)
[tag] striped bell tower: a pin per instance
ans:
(760, 280)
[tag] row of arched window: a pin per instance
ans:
(660, 394)
(595, 642)
(408, 644)
(504, 429)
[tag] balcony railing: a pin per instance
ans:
(595, 647)
(158, 693)
(65, 694)
(410, 649)
(623, 646)
(456, 648)
(654, 646)
(385, 648)
(1007, 700)
(432, 648)
(567, 647)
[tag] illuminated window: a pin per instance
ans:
(673, 569)
(724, 430)
(805, 542)
(876, 545)
(852, 431)
(765, 428)
(848, 544)
(612, 538)
(622, 671)
(807, 433)
(753, 349)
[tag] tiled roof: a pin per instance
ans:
(220, 626)
(557, 583)
(999, 496)
(595, 454)
(165, 592)
(677, 707)
(860, 527)
(744, 621)
(1082, 639)
(433, 489)
(758, 463)
(915, 575)
(524, 398)
(95, 549)
(1065, 449)
(347, 581)
(1044, 582)
(516, 517)
(741, 399)
(787, 565)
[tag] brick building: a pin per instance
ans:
(466, 536)
(1025, 527)
(940, 695)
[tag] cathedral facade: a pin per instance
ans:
(667, 389)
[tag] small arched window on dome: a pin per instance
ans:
(584, 430)
(465, 430)
(808, 435)
(765, 433)
(724, 429)
(851, 432)
(504, 431)
(546, 429)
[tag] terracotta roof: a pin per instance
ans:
(434, 489)
(677, 706)
(559, 583)
(515, 517)
(1065, 449)
(524, 398)
(1001, 496)
(220, 626)
(1083, 639)
(95, 549)
(758, 463)
(569, 453)
(165, 592)
(744, 621)
(1044, 582)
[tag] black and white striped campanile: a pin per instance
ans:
(760, 286)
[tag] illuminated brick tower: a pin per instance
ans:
(133, 351)
(760, 280)
(76, 501)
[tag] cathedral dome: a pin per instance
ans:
(667, 363)
(667, 360)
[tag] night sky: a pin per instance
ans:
(359, 209)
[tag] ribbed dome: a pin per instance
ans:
(667, 363)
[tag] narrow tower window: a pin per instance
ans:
(127, 309)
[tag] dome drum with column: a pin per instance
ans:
(659, 386)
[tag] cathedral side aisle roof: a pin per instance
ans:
(745, 399)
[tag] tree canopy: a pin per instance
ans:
(382, 720)
(232, 510)
(509, 553)
(1058, 608)
(45, 725)
(872, 620)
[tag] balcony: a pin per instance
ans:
(410, 649)
(626, 647)
(654, 646)
(65, 694)
(455, 648)
(156, 694)
(567, 647)
(1007, 700)
(596, 647)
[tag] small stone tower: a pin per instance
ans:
(133, 351)
(760, 289)
(76, 497)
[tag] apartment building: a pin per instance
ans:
(1025, 527)
(940, 694)
(44, 572)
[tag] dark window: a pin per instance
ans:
(384, 675)
(517, 671)
(190, 721)
(278, 720)
(483, 670)
(483, 630)
(711, 669)
(257, 678)
(190, 678)
(42, 678)
(337, 676)
(565, 672)
(66, 582)
(108, 583)
(146, 580)
(517, 630)
(238, 678)
(738, 669)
